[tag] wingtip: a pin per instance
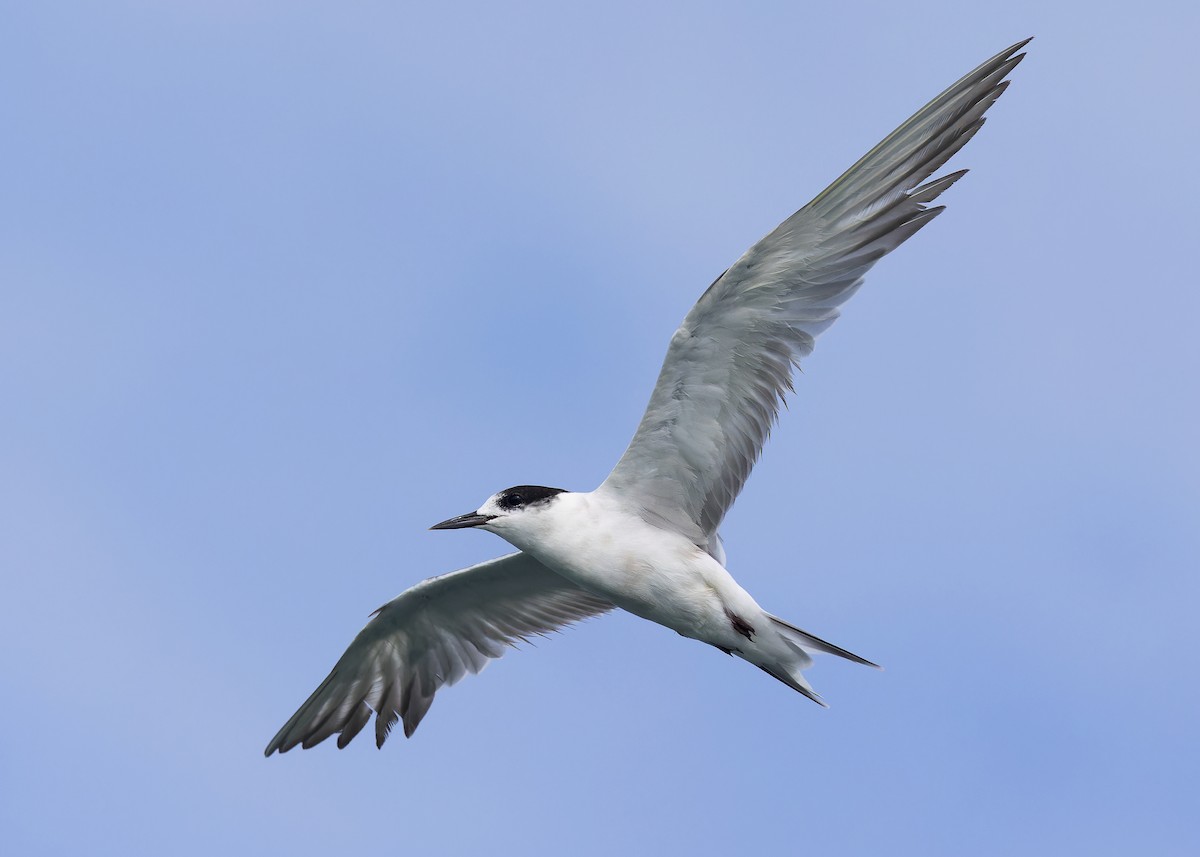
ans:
(1014, 54)
(1011, 50)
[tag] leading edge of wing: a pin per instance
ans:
(431, 636)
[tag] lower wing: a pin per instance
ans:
(432, 635)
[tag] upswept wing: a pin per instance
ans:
(432, 635)
(730, 363)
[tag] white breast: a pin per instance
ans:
(654, 573)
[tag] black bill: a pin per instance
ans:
(474, 519)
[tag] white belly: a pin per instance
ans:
(652, 573)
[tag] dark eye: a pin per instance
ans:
(511, 500)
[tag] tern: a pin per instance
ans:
(647, 539)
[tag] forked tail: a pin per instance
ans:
(803, 644)
(794, 637)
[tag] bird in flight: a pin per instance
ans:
(647, 539)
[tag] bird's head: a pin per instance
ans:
(513, 512)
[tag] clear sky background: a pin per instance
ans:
(282, 284)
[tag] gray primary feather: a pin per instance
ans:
(432, 635)
(730, 363)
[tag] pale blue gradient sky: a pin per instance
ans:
(282, 284)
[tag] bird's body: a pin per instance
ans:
(594, 541)
(646, 540)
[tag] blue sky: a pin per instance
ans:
(281, 284)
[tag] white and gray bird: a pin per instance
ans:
(647, 540)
